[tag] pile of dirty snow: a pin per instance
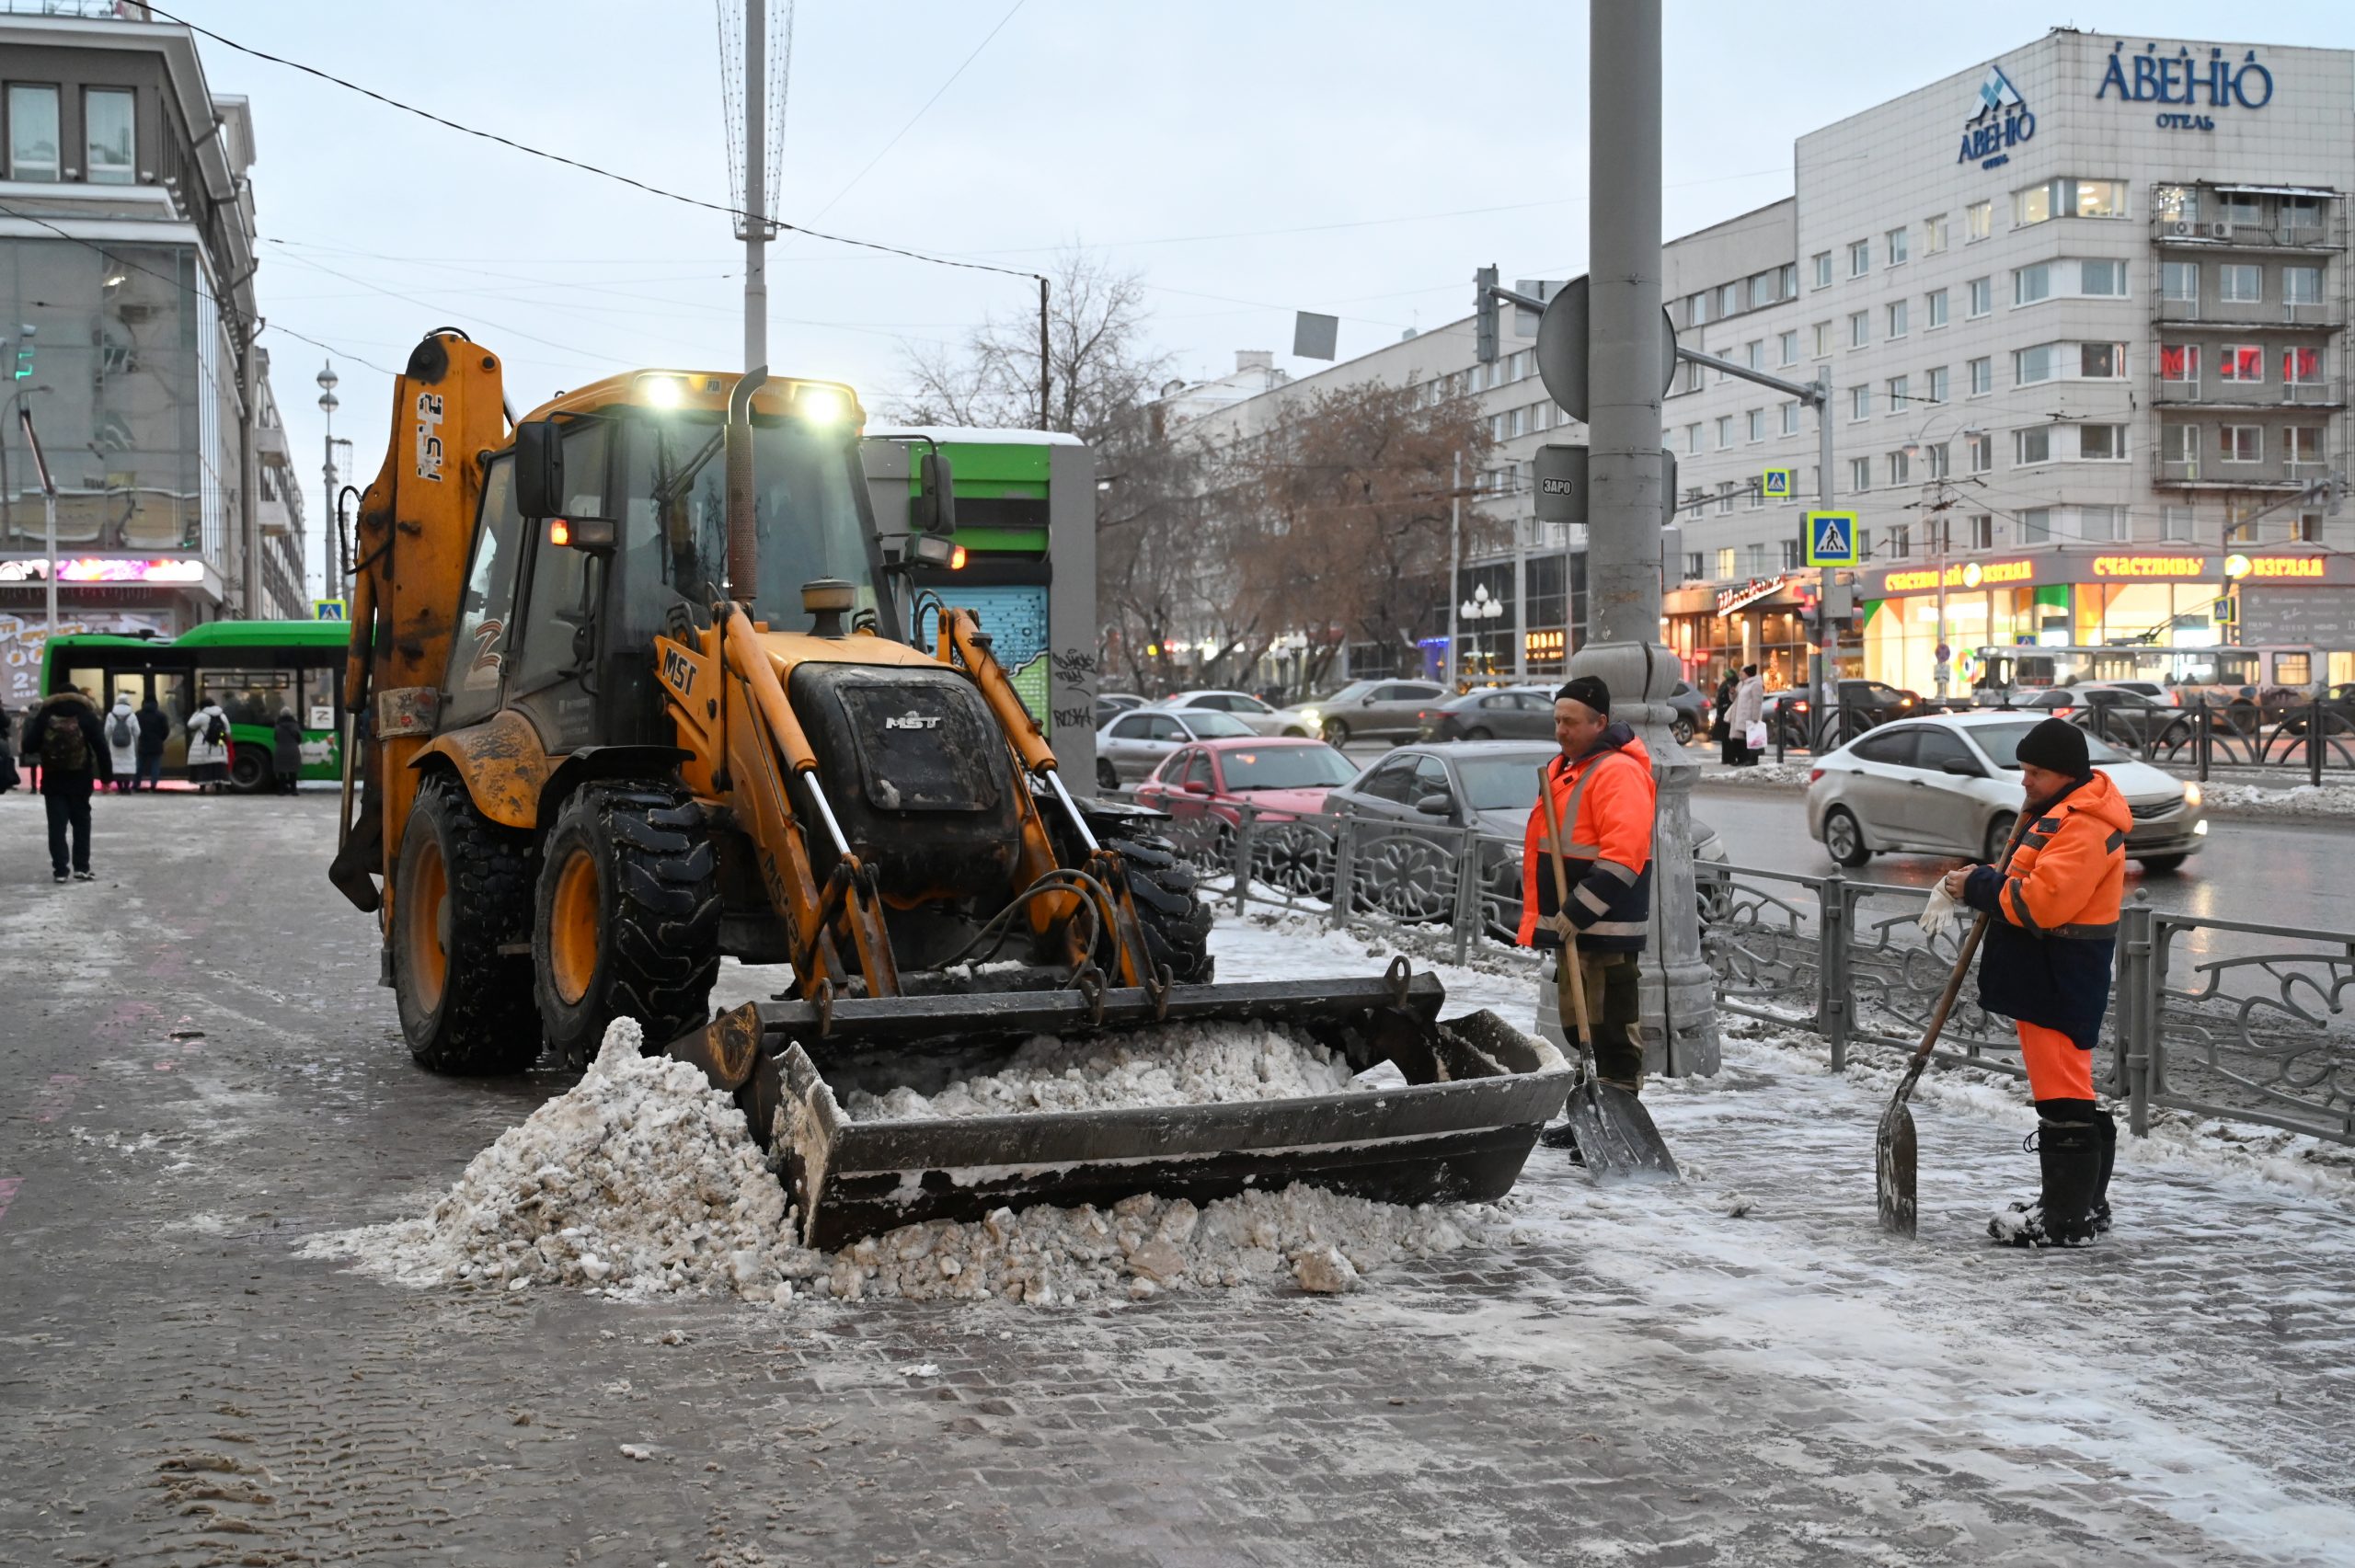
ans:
(1761, 775)
(2331, 800)
(1169, 1064)
(643, 1181)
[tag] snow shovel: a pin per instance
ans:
(1615, 1135)
(1894, 1150)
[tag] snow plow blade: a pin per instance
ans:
(1477, 1091)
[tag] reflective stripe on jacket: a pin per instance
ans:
(2054, 934)
(1607, 801)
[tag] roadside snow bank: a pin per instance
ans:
(642, 1182)
(2331, 800)
(1765, 775)
(1171, 1064)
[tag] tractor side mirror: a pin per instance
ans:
(539, 469)
(934, 508)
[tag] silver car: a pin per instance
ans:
(1949, 784)
(1366, 710)
(1134, 744)
(1263, 719)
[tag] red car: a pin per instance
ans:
(1283, 776)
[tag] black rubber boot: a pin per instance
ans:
(2105, 1128)
(2070, 1154)
(1563, 1137)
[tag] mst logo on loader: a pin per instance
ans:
(678, 671)
(912, 720)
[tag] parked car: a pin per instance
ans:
(2115, 713)
(1136, 743)
(1863, 706)
(1366, 710)
(2337, 711)
(1950, 783)
(1261, 718)
(1486, 785)
(1109, 703)
(1281, 777)
(1690, 704)
(1505, 713)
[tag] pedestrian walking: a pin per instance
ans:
(207, 745)
(1721, 710)
(2046, 966)
(9, 777)
(122, 744)
(286, 751)
(1749, 715)
(64, 730)
(153, 729)
(1602, 790)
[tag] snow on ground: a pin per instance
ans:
(1762, 776)
(2329, 801)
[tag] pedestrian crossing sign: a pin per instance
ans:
(1831, 539)
(1776, 484)
(327, 610)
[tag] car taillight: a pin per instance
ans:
(1813, 774)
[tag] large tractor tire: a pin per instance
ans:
(1176, 922)
(462, 902)
(625, 922)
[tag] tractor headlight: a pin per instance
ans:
(819, 405)
(661, 390)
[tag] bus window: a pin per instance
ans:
(2236, 669)
(2293, 668)
(252, 696)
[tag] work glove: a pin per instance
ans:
(1942, 914)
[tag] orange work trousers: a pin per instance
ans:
(2057, 1068)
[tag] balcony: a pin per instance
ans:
(278, 519)
(2240, 397)
(2271, 315)
(270, 446)
(2223, 234)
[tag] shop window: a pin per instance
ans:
(2240, 362)
(1978, 221)
(32, 132)
(2240, 284)
(2179, 363)
(2240, 444)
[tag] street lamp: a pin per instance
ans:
(1943, 668)
(1480, 607)
(331, 555)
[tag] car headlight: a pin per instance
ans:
(2192, 796)
(1310, 716)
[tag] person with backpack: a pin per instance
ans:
(286, 751)
(207, 745)
(154, 728)
(122, 742)
(66, 733)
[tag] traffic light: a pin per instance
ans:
(25, 351)
(1484, 315)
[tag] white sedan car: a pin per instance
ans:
(1258, 716)
(1949, 784)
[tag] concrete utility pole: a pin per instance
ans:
(47, 511)
(1623, 511)
(1455, 565)
(331, 560)
(756, 176)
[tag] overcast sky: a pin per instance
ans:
(1252, 159)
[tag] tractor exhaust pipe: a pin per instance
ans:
(744, 539)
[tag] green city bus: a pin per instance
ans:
(252, 668)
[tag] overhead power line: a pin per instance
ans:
(525, 148)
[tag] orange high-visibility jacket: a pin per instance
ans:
(1607, 800)
(2055, 932)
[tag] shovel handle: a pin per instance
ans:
(1572, 979)
(1961, 968)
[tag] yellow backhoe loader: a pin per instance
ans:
(635, 687)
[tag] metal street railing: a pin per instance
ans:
(2220, 1018)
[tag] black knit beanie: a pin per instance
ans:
(2059, 745)
(1588, 690)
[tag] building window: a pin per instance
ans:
(1724, 563)
(2101, 361)
(2101, 443)
(1982, 453)
(2302, 211)
(2240, 284)
(1697, 309)
(111, 148)
(1822, 341)
(1933, 235)
(1981, 296)
(1696, 565)
(2174, 523)
(1899, 316)
(1900, 393)
(32, 132)
(1791, 418)
(2302, 444)
(2036, 525)
(2179, 443)
(2301, 285)
(1860, 258)
(1982, 376)
(1693, 375)
(2030, 284)
(1938, 312)
(1729, 300)
(1860, 329)
(1756, 422)
(1980, 532)
(1823, 265)
(1938, 390)
(2179, 363)
(2301, 367)
(1860, 403)
(2100, 197)
(1788, 346)
(2102, 524)
(1787, 278)
(1935, 461)
(2236, 530)
(1901, 540)
(2179, 284)
(1765, 288)
(2102, 280)
(1901, 468)
(1860, 473)
(1978, 221)
(1754, 351)
(2175, 203)
(2308, 528)
(2033, 205)
(1792, 554)
(2242, 363)
(2032, 365)
(2244, 207)
(2240, 444)
(1725, 431)
(1725, 498)
(2069, 199)
(1898, 241)
(1692, 440)
(2032, 445)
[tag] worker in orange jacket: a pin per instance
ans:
(2046, 966)
(1603, 789)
